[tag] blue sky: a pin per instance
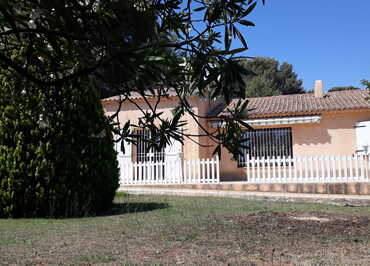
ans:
(322, 39)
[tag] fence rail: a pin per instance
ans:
(197, 171)
(308, 169)
(298, 169)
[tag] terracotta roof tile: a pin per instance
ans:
(297, 104)
(168, 92)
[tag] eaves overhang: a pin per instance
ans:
(311, 119)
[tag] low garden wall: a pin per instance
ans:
(308, 188)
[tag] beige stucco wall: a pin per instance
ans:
(191, 150)
(334, 135)
(207, 144)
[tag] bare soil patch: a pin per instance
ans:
(306, 237)
(317, 223)
(145, 230)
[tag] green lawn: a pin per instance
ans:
(184, 230)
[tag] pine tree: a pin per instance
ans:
(270, 78)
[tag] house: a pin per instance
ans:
(313, 137)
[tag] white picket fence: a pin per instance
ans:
(309, 169)
(197, 171)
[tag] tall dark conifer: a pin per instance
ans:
(270, 78)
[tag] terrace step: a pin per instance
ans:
(306, 188)
(337, 199)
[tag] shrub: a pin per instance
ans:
(56, 154)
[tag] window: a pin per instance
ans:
(263, 143)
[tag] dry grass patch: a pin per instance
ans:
(167, 230)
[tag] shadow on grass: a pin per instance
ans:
(132, 207)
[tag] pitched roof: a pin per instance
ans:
(299, 104)
(165, 92)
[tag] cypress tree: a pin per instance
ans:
(56, 153)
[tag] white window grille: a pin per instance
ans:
(266, 143)
(147, 154)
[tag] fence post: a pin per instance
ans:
(291, 167)
(278, 161)
(188, 173)
(195, 166)
(247, 166)
(303, 169)
(168, 171)
(144, 173)
(121, 175)
(193, 170)
(267, 166)
(198, 170)
(327, 168)
(188, 176)
(357, 168)
(203, 166)
(213, 176)
(362, 168)
(208, 170)
(273, 162)
(218, 169)
(191, 177)
(339, 159)
(311, 169)
(185, 170)
(317, 176)
(345, 168)
(253, 170)
(299, 168)
(350, 168)
(294, 169)
(334, 169)
(284, 173)
(151, 174)
(263, 169)
(158, 175)
(368, 168)
(139, 172)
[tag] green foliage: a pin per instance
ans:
(56, 157)
(343, 88)
(55, 55)
(270, 78)
(121, 195)
(128, 46)
(366, 83)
